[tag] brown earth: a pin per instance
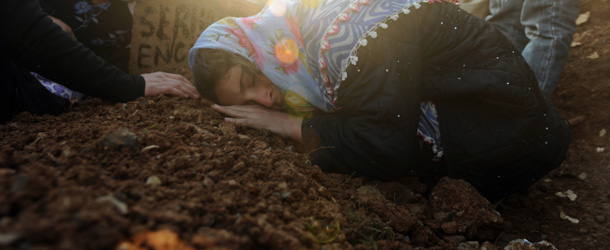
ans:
(164, 170)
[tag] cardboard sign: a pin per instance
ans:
(165, 30)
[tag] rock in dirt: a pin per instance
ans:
(469, 245)
(208, 182)
(227, 129)
(153, 181)
(8, 238)
(567, 194)
(567, 217)
(474, 216)
(523, 244)
(149, 148)
(593, 56)
(582, 176)
(120, 138)
(583, 18)
(122, 207)
(243, 139)
(489, 246)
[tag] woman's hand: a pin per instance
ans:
(256, 116)
(165, 83)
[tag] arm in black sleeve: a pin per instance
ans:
(34, 42)
(374, 134)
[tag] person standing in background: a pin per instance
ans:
(32, 43)
(103, 26)
(542, 30)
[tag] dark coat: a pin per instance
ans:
(498, 131)
(30, 40)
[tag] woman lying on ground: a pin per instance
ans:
(395, 87)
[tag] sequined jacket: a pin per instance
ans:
(498, 131)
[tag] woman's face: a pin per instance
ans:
(239, 87)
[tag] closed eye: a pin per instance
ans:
(253, 79)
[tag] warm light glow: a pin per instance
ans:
(287, 50)
(159, 240)
(277, 7)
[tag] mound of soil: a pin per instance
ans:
(102, 173)
(169, 173)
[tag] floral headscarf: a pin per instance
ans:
(304, 46)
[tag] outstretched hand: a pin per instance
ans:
(256, 116)
(166, 83)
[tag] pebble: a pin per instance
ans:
(153, 181)
(244, 139)
(600, 219)
(8, 238)
(122, 207)
(582, 176)
(208, 182)
(149, 148)
(227, 129)
(469, 245)
(120, 138)
(524, 244)
(239, 166)
(583, 230)
(260, 145)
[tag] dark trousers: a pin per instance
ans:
(20, 91)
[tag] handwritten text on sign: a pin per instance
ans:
(165, 30)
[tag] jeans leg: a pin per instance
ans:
(549, 25)
(506, 15)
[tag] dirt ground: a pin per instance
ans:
(168, 173)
